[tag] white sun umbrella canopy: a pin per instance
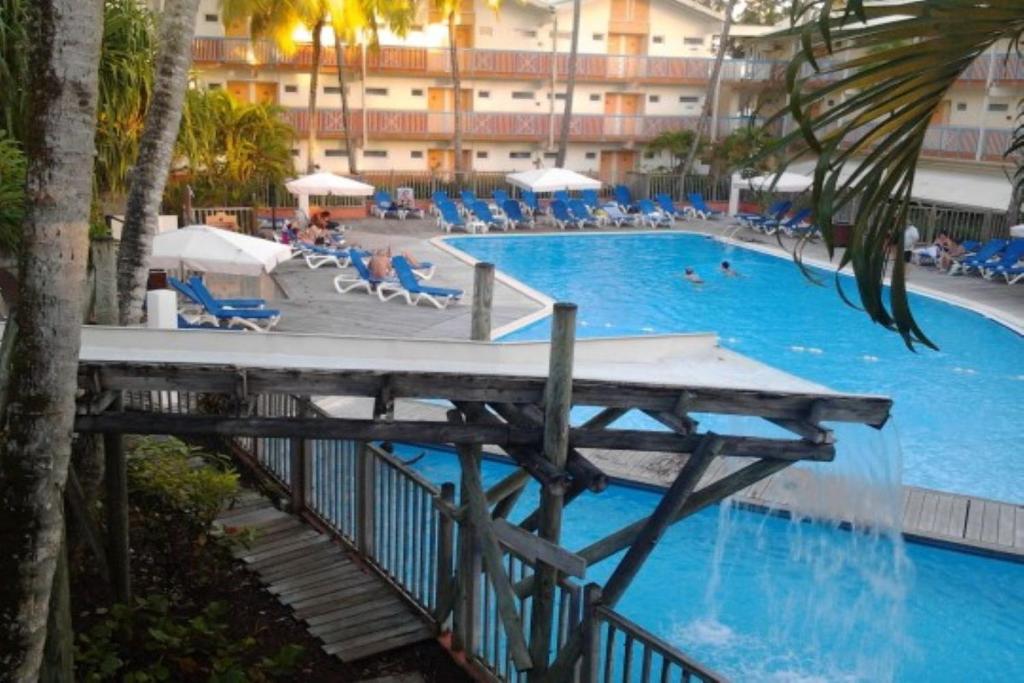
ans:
(787, 182)
(552, 180)
(325, 183)
(212, 250)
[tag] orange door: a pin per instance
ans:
(622, 113)
(466, 100)
(266, 93)
(239, 90)
(437, 99)
(436, 160)
(464, 35)
(941, 115)
(615, 164)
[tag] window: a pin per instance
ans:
(658, 39)
(523, 95)
(598, 36)
(487, 30)
(519, 155)
(417, 92)
(416, 154)
(693, 41)
(377, 91)
(596, 97)
(689, 99)
(335, 152)
(550, 155)
(591, 155)
(480, 154)
(998, 106)
(558, 96)
(483, 94)
(332, 90)
(291, 88)
(961, 106)
(527, 32)
(213, 86)
(654, 98)
(210, 17)
(375, 153)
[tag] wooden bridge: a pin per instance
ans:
(510, 596)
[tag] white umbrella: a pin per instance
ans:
(325, 183)
(786, 182)
(212, 250)
(552, 179)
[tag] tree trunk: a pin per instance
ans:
(346, 116)
(314, 79)
(34, 452)
(453, 52)
(709, 98)
(156, 150)
(570, 88)
(1016, 199)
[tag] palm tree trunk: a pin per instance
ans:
(709, 98)
(453, 52)
(156, 151)
(34, 454)
(1016, 199)
(314, 78)
(346, 117)
(570, 88)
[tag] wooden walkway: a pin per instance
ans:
(352, 610)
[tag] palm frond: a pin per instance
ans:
(886, 67)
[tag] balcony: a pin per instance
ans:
(535, 65)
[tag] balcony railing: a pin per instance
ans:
(534, 65)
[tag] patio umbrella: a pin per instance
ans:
(787, 182)
(212, 250)
(552, 179)
(325, 183)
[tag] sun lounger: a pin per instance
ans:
(652, 215)
(450, 218)
(624, 198)
(483, 214)
(583, 214)
(412, 290)
(385, 207)
(987, 252)
(562, 217)
(514, 213)
(775, 212)
(499, 197)
(529, 199)
(1008, 258)
(186, 290)
(666, 204)
(591, 199)
(796, 225)
(361, 279)
(256, 319)
(700, 208)
(617, 217)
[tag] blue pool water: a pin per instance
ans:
(760, 598)
(958, 410)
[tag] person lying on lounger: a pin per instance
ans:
(692, 276)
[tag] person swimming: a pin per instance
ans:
(727, 270)
(691, 275)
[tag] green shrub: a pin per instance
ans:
(12, 193)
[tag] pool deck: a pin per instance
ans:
(312, 305)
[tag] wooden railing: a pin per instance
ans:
(406, 527)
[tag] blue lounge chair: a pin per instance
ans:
(362, 279)
(562, 196)
(529, 199)
(562, 217)
(499, 197)
(1014, 274)
(1008, 258)
(797, 225)
(468, 197)
(666, 204)
(384, 206)
(483, 214)
(988, 252)
(591, 199)
(624, 198)
(516, 217)
(256, 319)
(770, 222)
(412, 290)
(579, 210)
(186, 290)
(617, 217)
(700, 208)
(654, 216)
(775, 212)
(449, 217)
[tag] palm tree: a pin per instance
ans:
(40, 384)
(448, 9)
(676, 142)
(890, 66)
(570, 87)
(156, 148)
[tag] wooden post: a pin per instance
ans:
(299, 461)
(445, 557)
(483, 298)
(557, 402)
(104, 261)
(591, 633)
(116, 475)
(365, 499)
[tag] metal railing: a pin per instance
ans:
(713, 189)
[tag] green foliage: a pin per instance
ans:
(676, 143)
(12, 193)
(742, 150)
(894, 63)
(229, 150)
(148, 641)
(13, 65)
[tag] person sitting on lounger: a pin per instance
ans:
(951, 251)
(380, 264)
(692, 276)
(728, 270)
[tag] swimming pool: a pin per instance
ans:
(760, 598)
(958, 410)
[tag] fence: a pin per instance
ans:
(714, 189)
(403, 525)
